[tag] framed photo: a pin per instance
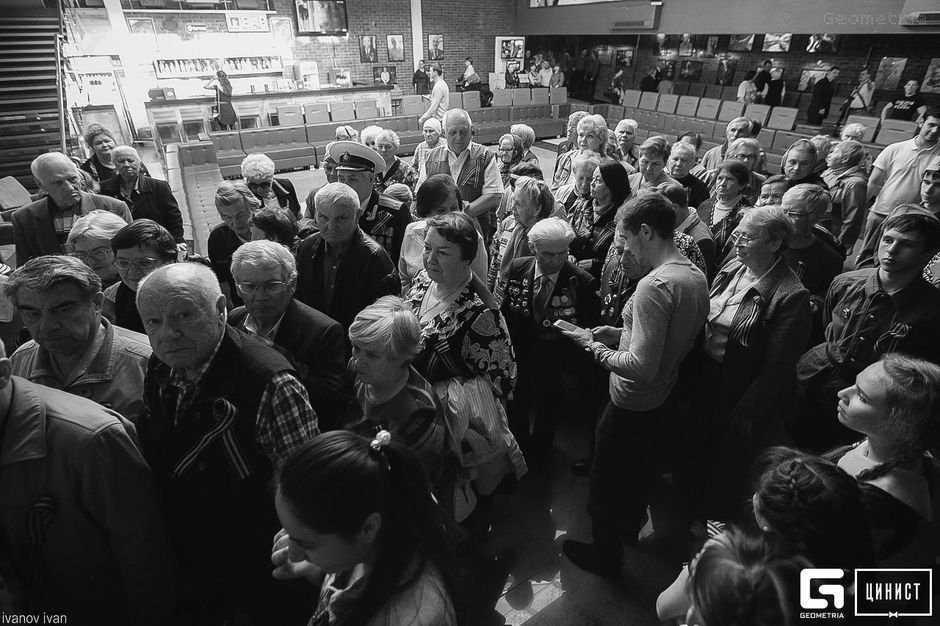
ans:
(741, 43)
(141, 26)
(707, 45)
(690, 70)
(665, 45)
(823, 43)
(726, 71)
(889, 73)
(367, 51)
(669, 70)
(931, 82)
(808, 79)
(385, 74)
(604, 54)
(282, 29)
(623, 57)
(321, 17)
(511, 48)
(395, 46)
(685, 45)
(777, 42)
(246, 21)
(435, 47)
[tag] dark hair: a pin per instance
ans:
(655, 146)
(437, 68)
(696, 137)
(750, 74)
(336, 481)
(651, 208)
(814, 506)
(144, 232)
(676, 193)
(745, 580)
(766, 61)
(433, 193)
(42, 273)
(774, 180)
(927, 225)
(277, 223)
(933, 112)
(834, 67)
(756, 128)
(526, 168)
(468, 59)
(737, 169)
(457, 228)
(617, 180)
(225, 82)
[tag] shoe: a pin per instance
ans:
(581, 467)
(584, 556)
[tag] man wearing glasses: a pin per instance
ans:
(258, 172)
(74, 348)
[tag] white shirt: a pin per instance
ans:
(904, 165)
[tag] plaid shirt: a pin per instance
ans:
(62, 222)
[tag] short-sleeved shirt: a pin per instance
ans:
(905, 107)
(440, 87)
(904, 165)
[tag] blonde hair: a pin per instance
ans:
(389, 324)
(232, 192)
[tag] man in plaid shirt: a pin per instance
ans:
(223, 410)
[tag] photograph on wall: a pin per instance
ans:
(669, 70)
(321, 17)
(511, 48)
(395, 44)
(367, 51)
(282, 30)
(385, 74)
(931, 82)
(140, 26)
(435, 47)
(685, 45)
(706, 45)
(605, 54)
(889, 73)
(823, 43)
(246, 21)
(777, 42)
(726, 71)
(690, 70)
(741, 43)
(808, 79)
(623, 57)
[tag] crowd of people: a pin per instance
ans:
(400, 347)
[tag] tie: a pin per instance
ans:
(542, 296)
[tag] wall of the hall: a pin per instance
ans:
(470, 28)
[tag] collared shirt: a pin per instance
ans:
(903, 164)
(492, 181)
(130, 197)
(188, 388)
(251, 327)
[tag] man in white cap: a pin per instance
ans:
(432, 138)
(382, 217)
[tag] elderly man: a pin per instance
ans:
(439, 99)
(679, 166)
(266, 277)
(381, 217)
(73, 347)
(146, 197)
(341, 270)
(223, 410)
(470, 164)
(43, 226)
(258, 171)
(737, 128)
(542, 289)
(746, 150)
(79, 515)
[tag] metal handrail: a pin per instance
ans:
(60, 83)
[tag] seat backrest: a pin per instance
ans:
(455, 100)
(729, 92)
(318, 133)
(782, 118)
(713, 91)
(12, 193)
(631, 98)
(471, 100)
(366, 109)
(540, 95)
(342, 111)
(648, 100)
(697, 89)
(687, 106)
(888, 136)
(502, 98)
(226, 141)
(730, 110)
(288, 108)
(902, 126)
(757, 112)
(316, 106)
(667, 103)
(615, 113)
(521, 96)
(316, 117)
(708, 108)
(558, 95)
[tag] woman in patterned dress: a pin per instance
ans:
(387, 144)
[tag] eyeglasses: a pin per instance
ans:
(797, 215)
(99, 254)
(742, 239)
(260, 185)
(271, 288)
(742, 156)
(144, 263)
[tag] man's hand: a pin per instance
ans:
(607, 335)
(285, 569)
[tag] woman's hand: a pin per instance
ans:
(581, 336)
(607, 335)
(285, 569)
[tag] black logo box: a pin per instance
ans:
(894, 592)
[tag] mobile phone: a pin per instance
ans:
(563, 325)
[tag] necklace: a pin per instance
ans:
(432, 305)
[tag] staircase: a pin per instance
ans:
(29, 109)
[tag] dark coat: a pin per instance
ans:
(822, 99)
(286, 195)
(315, 345)
(152, 200)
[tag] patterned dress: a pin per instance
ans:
(399, 172)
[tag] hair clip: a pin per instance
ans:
(382, 439)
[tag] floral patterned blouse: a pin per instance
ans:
(467, 339)
(399, 172)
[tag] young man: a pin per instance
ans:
(440, 95)
(823, 91)
(660, 323)
(909, 106)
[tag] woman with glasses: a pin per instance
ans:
(387, 144)
(757, 327)
(509, 153)
(137, 249)
(89, 239)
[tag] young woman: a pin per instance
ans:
(360, 523)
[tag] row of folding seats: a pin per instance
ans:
(523, 96)
(199, 168)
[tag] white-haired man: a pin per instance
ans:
(266, 278)
(43, 226)
(223, 410)
(737, 128)
(542, 289)
(472, 166)
(146, 197)
(258, 171)
(341, 270)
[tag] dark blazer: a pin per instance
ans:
(314, 344)
(34, 231)
(152, 200)
(365, 273)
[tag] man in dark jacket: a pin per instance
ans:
(146, 197)
(823, 91)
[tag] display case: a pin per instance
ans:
(206, 67)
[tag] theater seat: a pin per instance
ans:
(229, 152)
(287, 146)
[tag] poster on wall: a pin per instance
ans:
(623, 57)
(808, 79)
(246, 21)
(823, 43)
(395, 44)
(511, 48)
(367, 51)
(690, 70)
(282, 29)
(666, 45)
(931, 82)
(685, 45)
(741, 43)
(605, 54)
(385, 74)
(777, 42)
(889, 73)
(140, 26)
(707, 45)
(726, 71)
(321, 17)
(435, 47)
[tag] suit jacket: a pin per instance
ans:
(314, 344)
(365, 273)
(34, 231)
(152, 200)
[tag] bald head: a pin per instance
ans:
(59, 177)
(458, 130)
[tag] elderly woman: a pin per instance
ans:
(757, 327)
(369, 134)
(723, 212)
(89, 240)
(532, 201)
(138, 249)
(592, 135)
(258, 172)
(346, 133)
(466, 353)
(387, 144)
(274, 224)
(682, 158)
(848, 186)
(654, 152)
(438, 195)
(235, 203)
(527, 135)
(432, 131)
(389, 393)
(509, 152)
(101, 142)
(571, 132)
(626, 136)
(693, 139)
(799, 164)
(575, 197)
(594, 225)
(854, 131)
(746, 150)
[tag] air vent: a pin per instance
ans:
(637, 17)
